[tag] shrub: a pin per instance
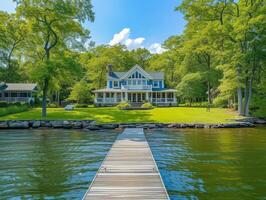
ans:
(81, 105)
(3, 104)
(13, 109)
(52, 105)
(147, 105)
(16, 103)
(123, 105)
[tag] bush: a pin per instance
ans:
(123, 105)
(52, 105)
(12, 109)
(3, 104)
(147, 105)
(81, 105)
(16, 103)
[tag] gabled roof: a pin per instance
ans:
(138, 68)
(121, 75)
(20, 86)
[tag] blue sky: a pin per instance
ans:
(152, 21)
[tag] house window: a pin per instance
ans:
(134, 82)
(139, 82)
(155, 84)
(129, 82)
(116, 84)
(6, 94)
(143, 82)
(23, 94)
(14, 94)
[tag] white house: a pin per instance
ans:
(135, 86)
(17, 92)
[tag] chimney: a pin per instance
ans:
(110, 69)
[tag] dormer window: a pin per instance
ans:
(156, 84)
(116, 85)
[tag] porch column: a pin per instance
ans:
(122, 98)
(96, 97)
(126, 96)
(147, 96)
(115, 97)
(104, 95)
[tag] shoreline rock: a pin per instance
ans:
(92, 125)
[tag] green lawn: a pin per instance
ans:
(112, 114)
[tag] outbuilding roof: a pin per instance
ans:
(21, 86)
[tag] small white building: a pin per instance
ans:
(135, 86)
(17, 92)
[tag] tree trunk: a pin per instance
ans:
(44, 98)
(240, 101)
(209, 93)
(58, 98)
(245, 96)
(248, 97)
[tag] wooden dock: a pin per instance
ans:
(128, 171)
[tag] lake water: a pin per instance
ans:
(50, 164)
(212, 163)
(194, 163)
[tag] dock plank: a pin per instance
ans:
(128, 171)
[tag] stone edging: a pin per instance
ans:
(92, 125)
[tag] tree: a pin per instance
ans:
(54, 24)
(81, 93)
(191, 87)
(12, 36)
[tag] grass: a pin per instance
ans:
(13, 109)
(112, 114)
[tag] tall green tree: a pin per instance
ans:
(54, 24)
(12, 35)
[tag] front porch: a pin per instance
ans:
(113, 97)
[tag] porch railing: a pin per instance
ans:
(106, 100)
(137, 87)
(15, 99)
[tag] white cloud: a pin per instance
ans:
(123, 38)
(156, 48)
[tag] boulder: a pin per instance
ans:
(46, 124)
(57, 124)
(183, 126)
(86, 123)
(207, 125)
(93, 127)
(77, 124)
(18, 124)
(199, 125)
(172, 125)
(3, 124)
(36, 124)
(67, 124)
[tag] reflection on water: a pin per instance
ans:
(50, 164)
(212, 163)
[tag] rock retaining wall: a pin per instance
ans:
(92, 125)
